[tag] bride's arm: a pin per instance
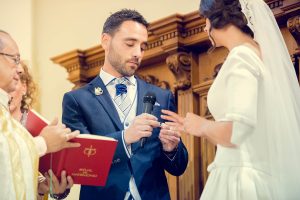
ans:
(215, 132)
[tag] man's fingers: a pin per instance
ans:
(145, 133)
(148, 116)
(151, 122)
(72, 135)
(63, 179)
(170, 135)
(154, 124)
(54, 122)
(72, 145)
(67, 131)
(163, 140)
(47, 178)
(70, 182)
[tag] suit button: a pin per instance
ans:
(126, 124)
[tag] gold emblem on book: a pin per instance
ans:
(98, 91)
(90, 151)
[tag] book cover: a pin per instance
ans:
(88, 164)
(35, 123)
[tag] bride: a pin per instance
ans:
(255, 101)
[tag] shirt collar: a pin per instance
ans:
(108, 78)
(4, 98)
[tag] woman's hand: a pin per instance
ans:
(195, 125)
(191, 124)
(175, 118)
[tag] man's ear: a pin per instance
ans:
(105, 40)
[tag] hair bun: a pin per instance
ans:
(225, 12)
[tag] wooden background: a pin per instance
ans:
(176, 59)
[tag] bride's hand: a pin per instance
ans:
(194, 124)
(173, 117)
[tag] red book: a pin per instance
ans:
(88, 164)
(35, 123)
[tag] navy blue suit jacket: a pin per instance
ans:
(96, 114)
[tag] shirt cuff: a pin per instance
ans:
(41, 145)
(126, 147)
(172, 154)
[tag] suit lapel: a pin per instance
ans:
(106, 101)
(142, 89)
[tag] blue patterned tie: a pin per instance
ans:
(122, 99)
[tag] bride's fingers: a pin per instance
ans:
(173, 115)
(172, 119)
(174, 126)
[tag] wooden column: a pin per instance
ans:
(293, 25)
(188, 184)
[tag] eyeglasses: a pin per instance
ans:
(15, 58)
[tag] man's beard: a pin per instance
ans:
(116, 62)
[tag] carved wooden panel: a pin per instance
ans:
(189, 181)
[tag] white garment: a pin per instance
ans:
(238, 94)
(18, 157)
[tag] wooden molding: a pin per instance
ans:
(293, 25)
(166, 36)
(155, 81)
(180, 66)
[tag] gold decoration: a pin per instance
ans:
(89, 151)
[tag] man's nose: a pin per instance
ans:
(137, 52)
(19, 68)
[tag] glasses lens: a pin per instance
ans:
(17, 60)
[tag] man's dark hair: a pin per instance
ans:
(114, 21)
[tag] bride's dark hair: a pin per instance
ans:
(224, 12)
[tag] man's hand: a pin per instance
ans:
(58, 187)
(57, 136)
(142, 126)
(169, 136)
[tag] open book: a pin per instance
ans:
(88, 164)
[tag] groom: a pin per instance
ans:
(112, 105)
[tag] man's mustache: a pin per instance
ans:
(134, 60)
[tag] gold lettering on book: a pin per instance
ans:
(89, 151)
(85, 173)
